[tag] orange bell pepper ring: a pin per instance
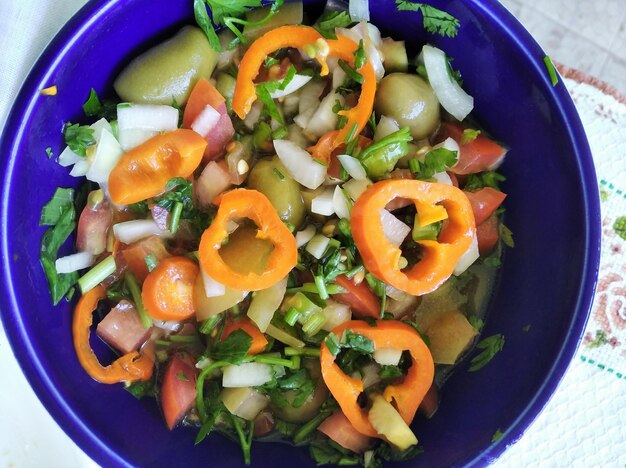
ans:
(299, 37)
(243, 203)
(406, 394)
(143, 172)
(440, 256)
(130, 367)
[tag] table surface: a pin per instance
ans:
(589, 36)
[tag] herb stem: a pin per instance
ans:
(175, 217)
(272, 360)
(312, 352)
(302, 433)
(97, 274)
(209, 324)
(135, 292)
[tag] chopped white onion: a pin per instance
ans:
(352, 166)
(335, 314)
(248, 374)
(369, 374)
(211, 287)
(310, 96)
(265, 303)
(244, 402)
(213, 180)
(297, 82)
(443, 178)
(386, 126)
(300, 164)
(68, 157)
(132, 231)
(359, 10)
(468, 258)
(74, 262)
(323, 203)
(290, 103)
(156, 118)
(395, 294)
(80, 168)
(324, 119)
(304, 236)
(451, 96)
(340, 203)
(254, 115)
(317, 245)
(371, 43)
(108, 153)
(339, 77)
(394, 229)
(387, 356)
(132, 137)
(355, 187)
(97, 128)
(302, 119)
(169, 326)
(206, 121)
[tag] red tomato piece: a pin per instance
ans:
(488, 235)
(339, 429)
(360, 298)
(93, 227)
(484, 202)
(480, 154)
(122, 328)
(178, 392)
(205, 94)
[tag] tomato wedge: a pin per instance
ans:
(338, 428)
(480, 154)
(360, 298)
(487, 234)
(178, 392)
(484, 202)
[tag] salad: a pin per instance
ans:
(287, 231)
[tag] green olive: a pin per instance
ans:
(410, 101)
(169, 70)
(270, 177)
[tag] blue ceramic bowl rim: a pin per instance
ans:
(63, 413)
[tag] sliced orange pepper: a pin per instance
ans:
(259, 342)
(135, 255)
(144, 171)
(242, 203)
(128, 368)
(440, 256)
(168, 289)
(362, 301)
(406, 394)
(300, 36)
(323, 149)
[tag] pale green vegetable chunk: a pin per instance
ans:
(169, 70)
(388, 423)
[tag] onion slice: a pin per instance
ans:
(297, 82)
(300, 164)
(211, 287)
(394, 229)
(468, 258)
(156, 118)
(341, 207)
(304, 236)
(132, 231)
(323, 203)
(74, 262)
(352, 166)
(451, 96)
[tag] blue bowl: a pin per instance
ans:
(547, 281)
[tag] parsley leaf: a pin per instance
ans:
(356, 341)
(179, 190)
(506, 235)
(469, 135)
(141, 389)
(233, 349)
(203, 20)
(78, 137)
(435, 161)
(49, 152)
(92, 105)
(491, 346)
(61, 215)
(331, 20)
(497, 436)
(484, 179)
(435, 21)
(390, 372)
(214, 408)
(326, 452)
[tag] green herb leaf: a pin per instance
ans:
(179, 190)
(435, 21)
(475, 322)
(49, 152)
(382, 156)
(60, 202)
(435, 161)
(356, 341)
(359, 56)
(151, 261)
(182, 376)
(291, 72)
(92, 105)
(203, 20)
(506, 235)
(469, 135)
(351, 72)
(554, 77)
(270, 108)
(490, 346)
(497, 436)
(141, 389)
(484, 179)
(62, 216)
(332, 343)
(78, 137)
(328, 453)
(233, 349)
(214, 408)
(331, 20)
(390, 372)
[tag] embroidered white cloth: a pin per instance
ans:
(583, 424)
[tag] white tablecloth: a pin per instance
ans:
(584, 423)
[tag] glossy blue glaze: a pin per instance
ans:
(547, 282)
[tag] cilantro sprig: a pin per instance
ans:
(490, 346)
(435, 21)
(435, 161)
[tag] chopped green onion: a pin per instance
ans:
(321, 287)
(332, 343)
(295, 362)
(307, 428)
(350, 136)
(350, 274)
(292, 316)
(151, 261)
(97, 274)
(209, 324)
(314, 323)
(554, 78)
(175, 217)
(135, 292)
